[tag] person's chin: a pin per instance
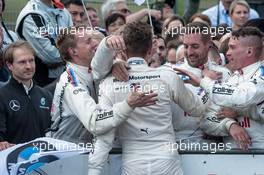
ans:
(29, 75)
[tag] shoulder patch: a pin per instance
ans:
(261, 71)
(72, 77)
(76, 91)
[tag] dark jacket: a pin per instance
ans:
(23, 117)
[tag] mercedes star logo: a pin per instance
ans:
(14, 105)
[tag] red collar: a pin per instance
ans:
(58, 4)
(240, 71)
(201, 67)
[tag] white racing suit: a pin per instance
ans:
(187, 128)
(74, 109)
(244, 92)
(8, 37)
(147, 136)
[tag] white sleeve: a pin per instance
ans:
(103, 143)
(95, 119)
(102, 61)
(255, 112)
(241, 96)
(212, 125)
(187, 100)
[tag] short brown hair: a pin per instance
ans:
(168, 21)
(255, 37)
(91, 8)
(138, 37)
(66, 40)
(202, 16)
(199, 28)
(172, 18)
(9, 52)
(247, 31)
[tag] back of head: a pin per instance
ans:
(258, 23)
(138, 38)
(67, 39)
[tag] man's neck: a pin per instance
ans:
(249, 62)
(140, 56)
(262, 54)
(82, 63)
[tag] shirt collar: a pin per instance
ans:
(194, 70)
(81, 71)
(250, 69)
(27, 89)
(137, 61)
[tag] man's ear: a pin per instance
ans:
(210, 44)
(9, 65)
(72, 52)
(249, 50)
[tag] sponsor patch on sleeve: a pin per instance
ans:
(223, 90)
(102, 115)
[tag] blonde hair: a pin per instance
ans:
(8, 54)
(67, 39)
(238, 2)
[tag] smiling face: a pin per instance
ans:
(23, 66)
(85, 48)
(236, 53)
(195, 49)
